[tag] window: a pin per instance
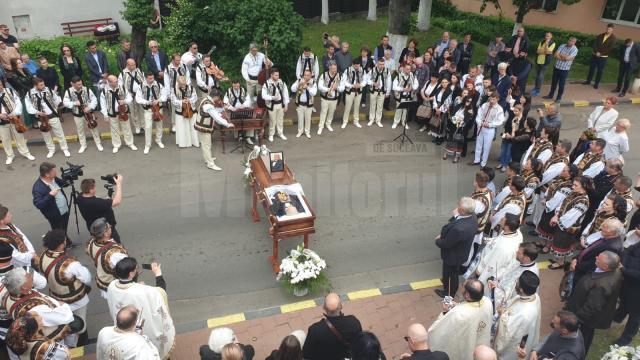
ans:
(627, 11)
(545, 5)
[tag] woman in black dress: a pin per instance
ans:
(69, 65)
(22, 81)
(523, 139)
(426, 93)
(463, 116)
(442, 100)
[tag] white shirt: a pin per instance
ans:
(397, 86)
(31, 108)
(189, 58)
(251, 65)
(315, 69)
(372, 81)
(627, 52)
(602, 121)
(16, 100)
(593, 170)
(128, 99)
(77, 270)
(551, 173)
(19, 258)
(245, 105)
(93, 101)
(215, 114)
(59, 315)
(141, 98)
(494, 119)
(617, 144)
(313, 90)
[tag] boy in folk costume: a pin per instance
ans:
(304, 89)
(276, 96)
(330, 88)
(379, 81)
(43, 102)
(210, 111)
(236, 98)
(11, 107)
(353, 81)
(183, 99)
(111, 99)
(81, 100)
(130, 78)
(404, 87)
(148, 95)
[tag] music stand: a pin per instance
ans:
(403, 136)
(241, 115)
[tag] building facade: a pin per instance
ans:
(587, 16)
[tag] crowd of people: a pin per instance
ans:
(576, 199)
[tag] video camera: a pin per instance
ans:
(111, 183)
(70, 174)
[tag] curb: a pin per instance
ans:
(586, 103)
(287, 308)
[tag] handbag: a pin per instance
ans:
(424, 110)
(435, 121)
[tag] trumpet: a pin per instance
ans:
(302, 86)
(333, 88)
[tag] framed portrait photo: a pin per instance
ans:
(276, 161)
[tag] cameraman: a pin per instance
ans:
(92, 207)
(50, 199)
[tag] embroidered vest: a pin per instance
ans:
(183, 94)
(486, 198)
(130, 78)
(558, 185)
(306, 63)
(404, 81)
(236, 99)
(11, 237)
(517, 199)
(174, 73)
(36, 350)
(531, 181)
(43, 98)
(274, 88)
(54, 265)
(540, 147)
(83, 96)
(309, 102)
(379, 77)
(597, 222)
(573, 201)
(204, 123)
(207, 79)
(7, 104)
(112, 96)
(150, 92)
(19, 306)
(328, 81)
(354, 77)
(101, 254)
(589, 159)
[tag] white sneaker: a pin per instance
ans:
(344, 125)
(146, 149)
(281, 136)
(270, 138)
(329, 128)
(406, 127)
(82, 149)
(160, 144)
(394, 126)
(308, 136)
(115, 150)
(248, 140)
(133, 147)
(137, 131)
(320, 131)
(357, 124)
(66, 153)
(379, 124)
(370, 123)
(213, 166)
(31, 157)
(363, 105)
(299, 134)
(422, 129)
(173, 129)
(99, 146)
(9, 160)
(50, 154)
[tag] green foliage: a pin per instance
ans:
(138, 13)
(232, 25)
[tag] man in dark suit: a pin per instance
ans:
(466, 53)
(49, 197)
(157, 61)
(96, 61)
(602, 46)
(503, 84)
(630, 294)
(612, 231)
(330, 338)
(455, 241)
(416, 339)
(629, 56)
(595, 296)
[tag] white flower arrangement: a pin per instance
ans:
(303, 269)
(254, 154)
(617, 352)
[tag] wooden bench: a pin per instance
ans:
(87, 26)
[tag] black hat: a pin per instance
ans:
(6, 252)
(529, 282)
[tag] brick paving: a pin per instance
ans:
(388, 316)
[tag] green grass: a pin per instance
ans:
(359, 31)
(604, 338)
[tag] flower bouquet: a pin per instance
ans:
(257, 151)
(617, 352)
(303, 271)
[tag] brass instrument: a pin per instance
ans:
(16, 120)
(333, 88)
(302, 86)
(122, 110)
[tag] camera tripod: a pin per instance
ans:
(73, 198)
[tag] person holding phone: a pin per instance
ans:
(564, 343)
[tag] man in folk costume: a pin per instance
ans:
(514, 204)
(112, 98)
(131, 78)
(69, 281)
(236, 98)
(174, 70)
(304, 89)
(152, 301)
(499, 251)
(251, 66)
(208, 76)
(23, 251)
(380, 88)
(490, 116)
(483, 199)
(330, 87)
(541, 149)
(10, 108)
(519, 318)
(26, 341)
(276, 97)
(210, 112)
(124, 340)
(591, 163)
(105, 253)
(149, 94)
(307, 61)
(81, 100)
(353, 81)
(469, 320)
(43, 102)
(622, 187)
(404, 89)
(191, 60)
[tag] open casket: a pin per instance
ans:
(265, 187)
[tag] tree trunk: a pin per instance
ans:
(424, 15)
(399, 25)
(373, 8)
(325, 12)
(519, 19)
(138, 43)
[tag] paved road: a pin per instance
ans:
(378, 209)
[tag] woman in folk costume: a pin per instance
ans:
(464, 113)
(441, 102)
(531, 173)
(567, 221)
(26, 339)
(614, 206)
(184, 100)
(427, 92)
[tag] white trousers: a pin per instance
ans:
(56, 130)
(205, 146)
(7, 132)
(349, 101)
(276, 119)
(483, 145)
(136, 116)
(81, 125)
(400, 116)
(186, 134)
(327, 109)
(120, 128)
(149, 124)
(304, 119)
(376, 103)
(252, 89)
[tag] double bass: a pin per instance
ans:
(263, 75)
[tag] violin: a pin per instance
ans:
(44, 123)
(16, 120)
(156, 114)
(122, 113)
(187, 111)
(91, 120)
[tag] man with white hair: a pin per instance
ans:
(417, 341)
(111, 99)
(132, 78)
(617, 140)
(455, 241)
(502, 82)
(612, 234)
(124, 338)
(484, 352)
(220, 337)
(251, 66)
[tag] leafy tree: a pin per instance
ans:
(232, 25)
(138, 14)
(522, 8)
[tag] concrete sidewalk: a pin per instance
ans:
(381, 311)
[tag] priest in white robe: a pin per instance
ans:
(123, 341)
(520, 318)
(150, 300)
(500, 252)
(505, 286)
(458, 330)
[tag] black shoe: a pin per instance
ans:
(558, 99)
(440, 293)
(586, 83)
(530, 223)
(72, 245)
(622, 94)
(548, 97)
(615, 90)
(595, 86)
